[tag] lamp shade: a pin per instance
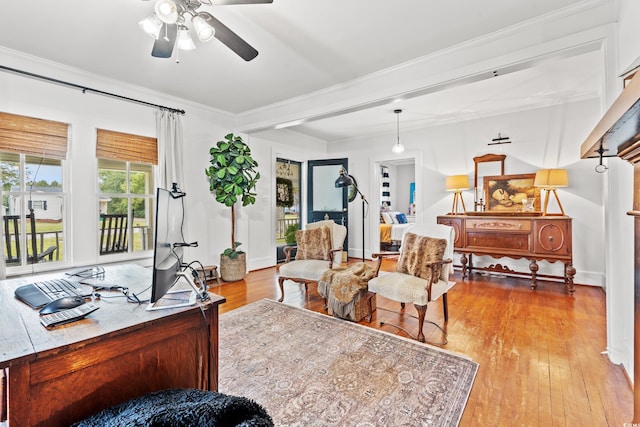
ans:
(202, 27)
(151, 25)
(167, 11)
(457, 183)
(343, 180)
(551, 178)
(184, 40)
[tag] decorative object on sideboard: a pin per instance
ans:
(168, 27)
(457, 184)
(346, 180)
(504, 194)
(232, 175)
(548, 180)
(487, 164)
(397, 147)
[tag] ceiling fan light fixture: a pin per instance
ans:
(166, 11)
(151, 25)
(202, 28)
(397, 147)
(184, 40)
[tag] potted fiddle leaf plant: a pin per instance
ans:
(232, 177)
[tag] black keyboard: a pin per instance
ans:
(58, 288)
(37, 294)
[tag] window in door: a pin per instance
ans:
(288, 183)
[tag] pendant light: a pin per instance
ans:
(398, 147)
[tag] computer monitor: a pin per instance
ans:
(169, 244)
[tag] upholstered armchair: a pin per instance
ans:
(318, 249)
(422, 273)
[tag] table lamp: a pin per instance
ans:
(457, 183)
(548, 180)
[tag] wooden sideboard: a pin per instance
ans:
(533, 238)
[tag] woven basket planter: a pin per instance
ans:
(233, 270)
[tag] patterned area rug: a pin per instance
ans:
(309, 369)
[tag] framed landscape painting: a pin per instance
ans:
(512, 194)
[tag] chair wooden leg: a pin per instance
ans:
(422, 311)
(281, 283)
(445, 306)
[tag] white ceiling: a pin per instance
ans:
(304, 46)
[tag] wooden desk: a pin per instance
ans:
(533, 238)
(59, 376)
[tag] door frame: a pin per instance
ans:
(374, 185)
(338, 217)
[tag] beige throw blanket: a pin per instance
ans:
(341, 287)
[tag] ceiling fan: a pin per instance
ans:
(168, 27)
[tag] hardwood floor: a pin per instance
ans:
(540, 352)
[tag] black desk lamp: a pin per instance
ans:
(346, 180)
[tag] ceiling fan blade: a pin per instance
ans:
(231, 39)
(163, 46)
(223, 2)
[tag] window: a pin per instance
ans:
(126, 166)
(37, 204)
(32, 153)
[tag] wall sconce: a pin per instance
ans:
(457, 183)
(549, 180)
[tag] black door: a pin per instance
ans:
(324, 200)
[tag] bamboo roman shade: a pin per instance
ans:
(37, 137)
(126, 147)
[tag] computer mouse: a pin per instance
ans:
(62, 304)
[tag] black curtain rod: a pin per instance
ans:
(88, 89)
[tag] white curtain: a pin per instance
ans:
(170, 167)
(3, 264)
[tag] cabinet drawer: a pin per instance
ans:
(484, 240)
(496, 224)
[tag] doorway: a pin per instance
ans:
(397, 186)
(324, 200)
(288, 205)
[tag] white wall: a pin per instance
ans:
(261, 216)
(602, 245)
(618, 200)
(405, 175)
(208, 222)
(450, 150)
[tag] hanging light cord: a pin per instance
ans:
(398, 127)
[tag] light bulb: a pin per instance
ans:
(167, 11)
(398, 148)
(202, 28)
